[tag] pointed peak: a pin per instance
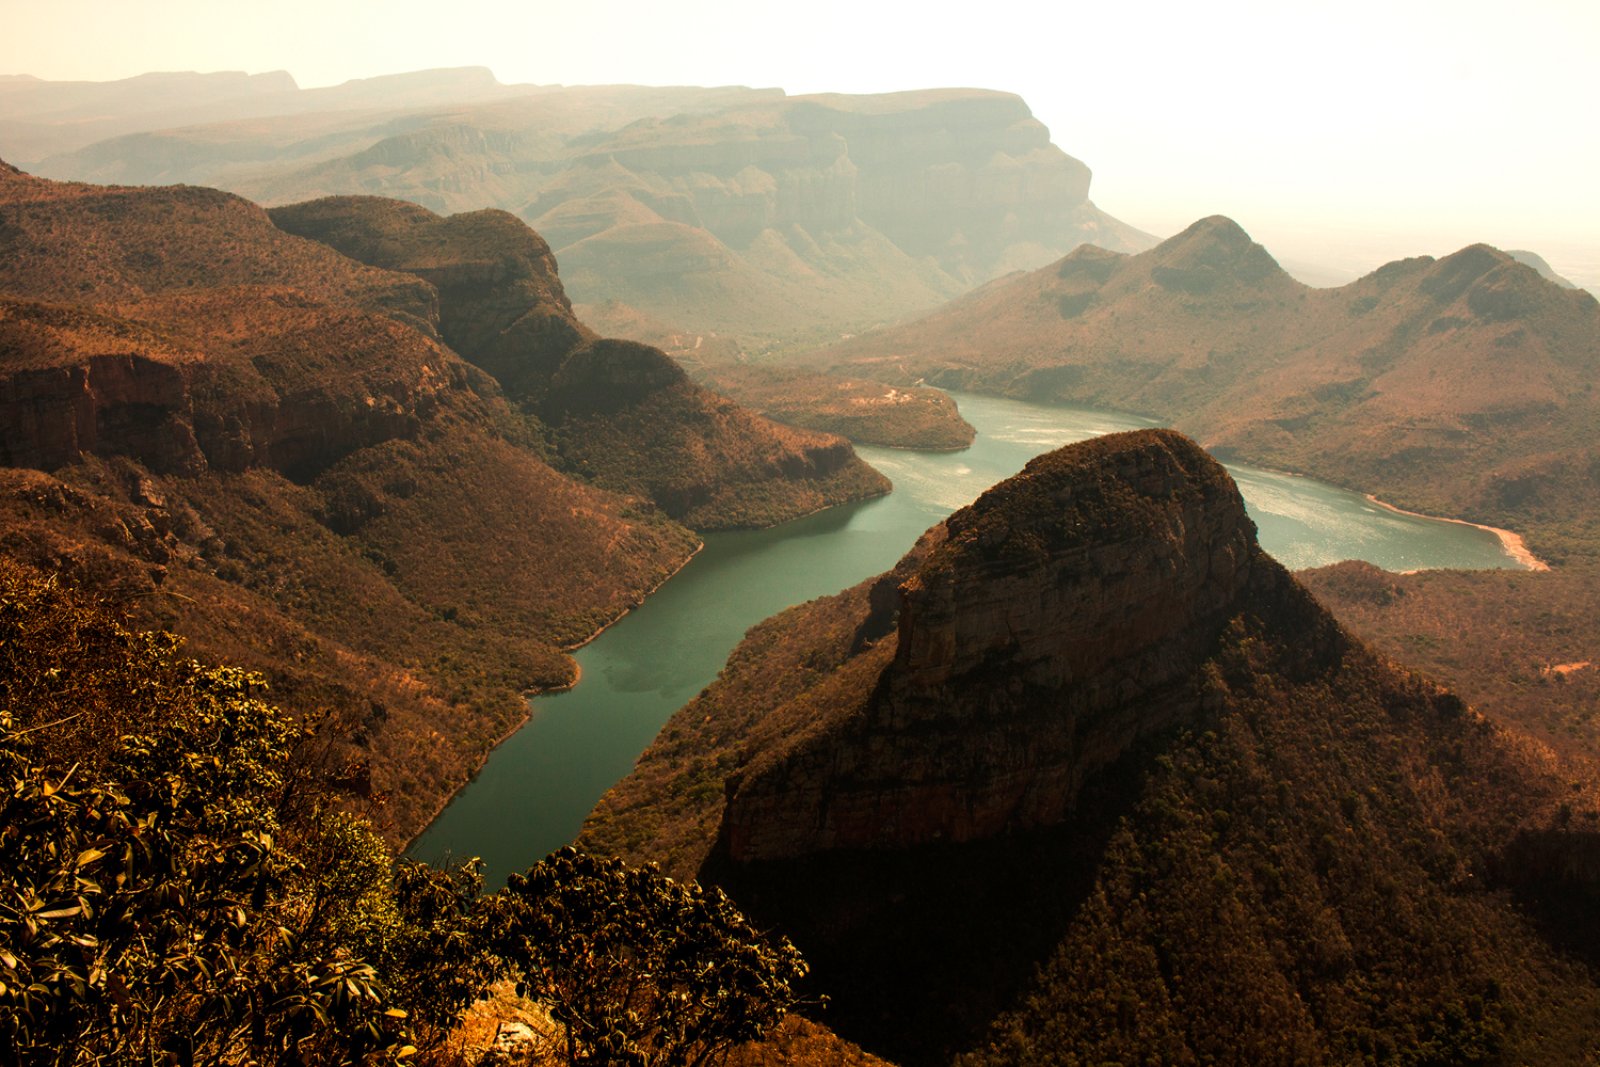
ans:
(1479, 256)
(1089, 263)
(1209, 252)
(1213, 228)
(1456, 273)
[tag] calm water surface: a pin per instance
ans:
(537, 787)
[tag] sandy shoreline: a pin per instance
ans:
(1512, 543)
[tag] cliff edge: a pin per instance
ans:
(1063, 617)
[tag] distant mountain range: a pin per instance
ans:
(727, 210)
(1462, 386)
(40, 118)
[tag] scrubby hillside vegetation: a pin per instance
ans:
(183, 880)
(257, 441)
(1090, 779)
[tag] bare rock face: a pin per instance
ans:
(959, 178)
(285, 383)
(1065, 615)
(965, 179)
(121, 404)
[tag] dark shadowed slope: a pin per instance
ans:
(1089, 778)
(622, 415)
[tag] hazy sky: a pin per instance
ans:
(1379, 127)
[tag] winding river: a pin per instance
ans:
(537, 787)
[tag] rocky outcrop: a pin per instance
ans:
(129, 405)
(500, 302)
(1065, 616)
(267, 391)
(622, 413)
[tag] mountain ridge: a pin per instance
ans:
(1186, 846)
(738, 210)
(252, 439)
(1456, 386)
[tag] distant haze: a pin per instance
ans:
(1339, 135)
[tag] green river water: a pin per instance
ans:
(537, 787)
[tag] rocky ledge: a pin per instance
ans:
(1065, 615)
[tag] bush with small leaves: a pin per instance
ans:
(641, 970)
(149, 910)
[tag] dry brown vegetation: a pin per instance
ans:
(1523, 648)
(1462, 386)
(795, 1042)
(1331, 863)
(251, 439)
(868, 412)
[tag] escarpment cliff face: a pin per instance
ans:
(963, 177)
(739, 211)
(124, 390)
(223, 379)
(215, 339)
(501, 304)
(1064, 617)
(1088, 775)
(847, 209)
